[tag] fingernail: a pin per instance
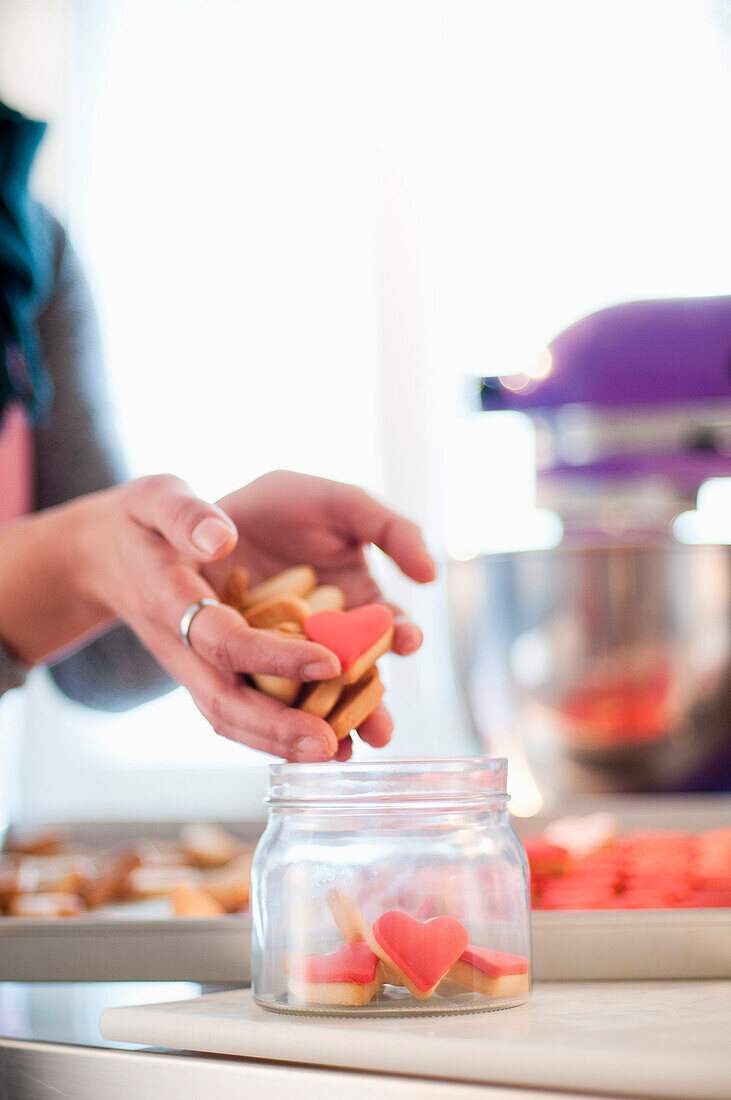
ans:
(320, 670)
(312, 748)
(431, 568)
(408, 640)
(210, 535)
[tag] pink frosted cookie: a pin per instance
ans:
(352, 975)
(358, 637)
(492, 973)
(417, 955)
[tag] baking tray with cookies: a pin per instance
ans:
(632, 887)
(117, 901)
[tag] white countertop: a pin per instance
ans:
(664, 1039)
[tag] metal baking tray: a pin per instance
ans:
(140, 942)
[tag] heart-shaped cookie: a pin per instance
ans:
(357, 637)
(494, 963)
(418, 954)
(354, 962)
(492, 973)
(350, 976)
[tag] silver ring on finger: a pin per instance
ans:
(186, 619)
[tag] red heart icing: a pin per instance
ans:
(349, 634)
(496, 964)
(424, 952)
(355, 962)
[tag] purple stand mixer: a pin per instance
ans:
(606, 661)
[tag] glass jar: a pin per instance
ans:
(395, 887)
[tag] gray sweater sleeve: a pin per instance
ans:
(77, 451)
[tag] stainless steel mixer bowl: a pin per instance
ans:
(600, 668)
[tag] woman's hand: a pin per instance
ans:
(286, 519)
(141, 548)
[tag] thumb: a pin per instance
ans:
(166, 505)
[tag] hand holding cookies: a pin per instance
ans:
(292, 605)
(285, 519)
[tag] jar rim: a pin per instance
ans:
(458, 779)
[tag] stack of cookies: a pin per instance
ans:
(293, 605)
